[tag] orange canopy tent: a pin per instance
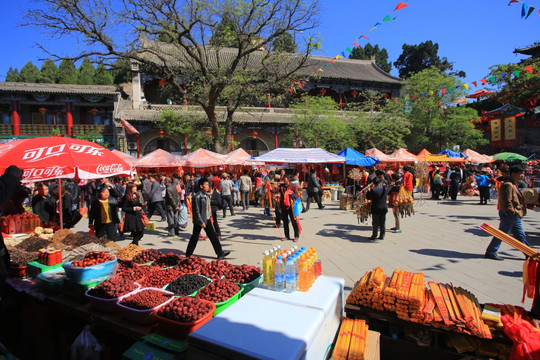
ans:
(130, 160)
(159, 159)
(203, 158)
(476, 157)
(242, 158)
(422, 155)
(378, 154)
(402, 155)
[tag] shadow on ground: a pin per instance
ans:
(353, 233)
(516, 274)
(448, 254)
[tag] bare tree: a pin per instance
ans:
(113, 29)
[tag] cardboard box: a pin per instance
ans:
(373, 346)
(346, 202)
(151, 226)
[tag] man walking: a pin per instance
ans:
(156, 199)
(226, 194)
(172, 205)
(245, 189)
(202, 219)
(379, 207)
(511, 210)
(313, 189)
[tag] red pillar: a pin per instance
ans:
(185, 143)
(232, 141)
(16, 119)
(275, 137)
(69, 119)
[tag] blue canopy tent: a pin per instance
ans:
(453, 154)
(353, 157)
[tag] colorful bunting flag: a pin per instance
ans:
(475, 83)
(504, 74)
(387, 18)
(524, 10)
(364, 36)
(443, 91)
(450, 90)
(529, 69)
(355, 43)
(430, 92)
(343, 54)
(531, 9)
(349, 50)
(377, 24)
(493, 79)
(400, 6)
(512, 1)
(320, 70)
(516, 73)
(466, 86)
(373, 28)
(332, 61)
(458, 86)
(483, 81)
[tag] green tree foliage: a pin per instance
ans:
(365, 53)
(48, 73)
(319, 124)
(86, 72)
(416, 58)
(121, 71)
(67, 72)
(436, 122)
(284, 43)
(29, 72)
(190, 62)
(226, 33)
(102, 76)
(13, 75)
(522, 91)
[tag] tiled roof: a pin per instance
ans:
(528, 50)
(58, 88)
(346, 69)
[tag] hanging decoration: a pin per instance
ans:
(322, 91)
(94, 111)
(162, 83)
(42, 110)
(254, 134)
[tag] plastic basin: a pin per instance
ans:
(180, 329)
(144, 317)
(82, 274)
(52, 281)
(250, 285)
(107, 305)
(225, 304)
(17, 271)
(195, 292)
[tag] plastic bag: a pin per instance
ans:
(297, 207)
(86, 346)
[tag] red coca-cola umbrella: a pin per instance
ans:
(60, 157)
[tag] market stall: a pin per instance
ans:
(477, 158)
(402, 156)
(159, 160)
(131, 160)
(376, 153)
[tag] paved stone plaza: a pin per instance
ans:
(442, 240)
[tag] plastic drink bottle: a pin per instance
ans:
(302, 276)
(279, 275)
(295, 261)
(290, 276)
(267, 269)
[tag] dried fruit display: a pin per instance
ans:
(92, 258)
(147, 256)
(185, 309)
(244, 274)
(188, 284)
(168, 260)
(159, 279)
(219, 291)
(145, 299)
(113, 288)
(217, 269)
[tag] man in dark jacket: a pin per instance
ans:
(313, 189)
(172, 205)
(42, 204)
(9, 183)
(379, 207)
(202, 219)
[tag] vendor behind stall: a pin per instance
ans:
(43, 204)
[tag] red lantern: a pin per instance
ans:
(162, 83)
(161, 133)
(322, 91)
(208, 132)
(254, 133)
(354, 93)
(42, 110)
(94, 111)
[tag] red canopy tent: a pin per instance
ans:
(422, 155)
(241, 157)
(131, 160)
(159, 159)
(378, 154)
(402, 155)
(203, 158)
(479, 93)
(476, 157)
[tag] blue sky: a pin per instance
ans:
(473, 34)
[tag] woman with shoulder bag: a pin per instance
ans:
(132, 207)
(103, 215)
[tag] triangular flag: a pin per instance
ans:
(349, 50)
(377, 24)
(512, 1)
(320, 70)
(529, 69)
(343, 53)
(430, 92)
(338, 57)
(395, 99)
(400, 6)
(355, 43)
(516, 73)
(493, 79)
(394, 18)
(364, 36)
(332, 61)
(424, 94)
(475, 84)
(466, 86)
(415, 96)
(325, 65)
(450, 90)
(504, 74)
(458, 86)
(443, 91)
(483, 81)
(524, 10)
(531, 9)
(313, 72)
(387, 18)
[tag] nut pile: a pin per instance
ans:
(216, 269)
(168, 260)
(219, 291)
(187, 284)
(244, 274)
(33, 244)
(21, 258)
(145, 299)
(138, 272)
(113, 288)
(159, 279)
(191, 265)
(129, 252)
(185, 309)
(147, 256)
(92, 258)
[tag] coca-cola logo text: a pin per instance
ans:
(46, 152)
(109, 169)
(42, 173)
